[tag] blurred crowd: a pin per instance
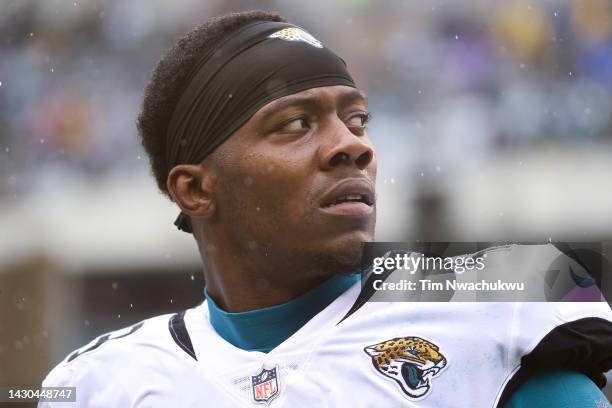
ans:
(444, 78)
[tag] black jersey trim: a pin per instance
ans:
(591, 258)
(103, 339)
(179, 333)
(98, 343)
(583, 345)
(367, 289)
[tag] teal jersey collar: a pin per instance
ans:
(264, 329)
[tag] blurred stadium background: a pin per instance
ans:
(492, 120)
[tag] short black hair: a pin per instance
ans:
(169, 77)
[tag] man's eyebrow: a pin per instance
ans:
(308, 101)
(290, 101)
(353, 96)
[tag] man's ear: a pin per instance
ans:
(191, 187)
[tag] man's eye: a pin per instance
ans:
(296, 125)
(358, 120)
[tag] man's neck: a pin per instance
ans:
(240, 282)
(241, 295)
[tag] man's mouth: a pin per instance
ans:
(352, 197)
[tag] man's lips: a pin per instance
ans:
(351, 196)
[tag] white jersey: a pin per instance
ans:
(382, 354)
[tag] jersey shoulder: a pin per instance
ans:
(118, 360)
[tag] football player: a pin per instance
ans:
(258, 133)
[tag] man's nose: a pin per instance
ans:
(341, 147)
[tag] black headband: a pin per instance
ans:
(257, 64)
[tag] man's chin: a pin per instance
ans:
(343, 254)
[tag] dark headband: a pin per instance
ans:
(257, 64)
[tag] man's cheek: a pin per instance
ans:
(268, 199)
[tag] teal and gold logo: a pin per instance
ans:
(411, 362)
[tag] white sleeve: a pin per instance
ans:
(96, 385)
(573, 336)
(564, 335)
(60, 376)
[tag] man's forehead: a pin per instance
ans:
(340, 95)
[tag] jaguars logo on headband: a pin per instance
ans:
(296, 34)
(411, 362)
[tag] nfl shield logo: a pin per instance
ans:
(265, 385)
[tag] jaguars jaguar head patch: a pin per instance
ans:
(411, 362)
(296, 34)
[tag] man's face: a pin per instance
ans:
(297, 180)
